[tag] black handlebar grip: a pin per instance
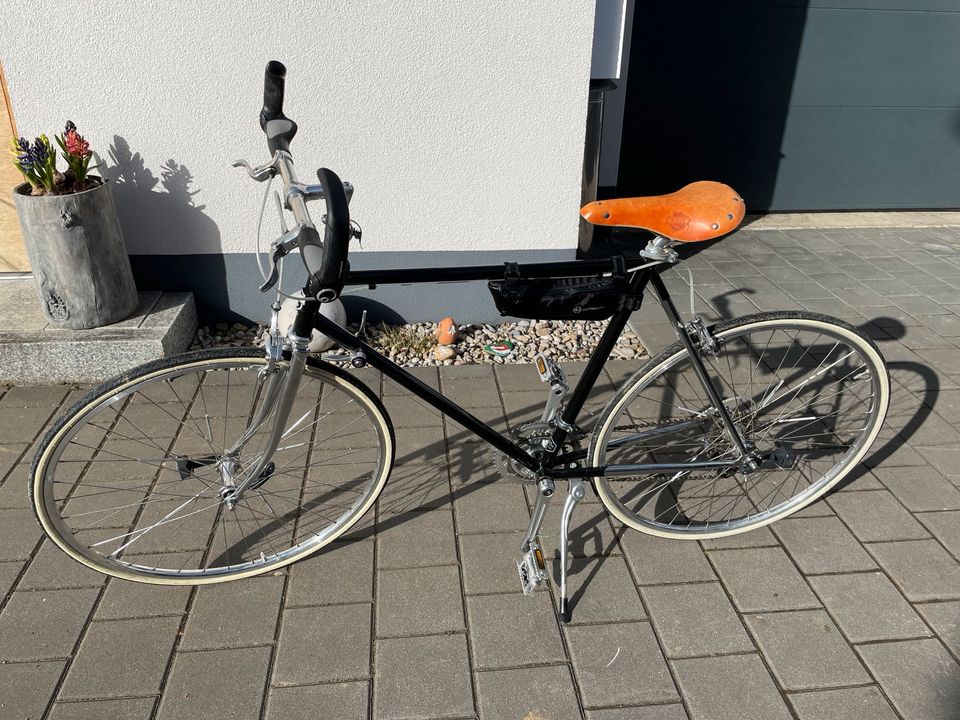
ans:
(273, 81)
(326, 282)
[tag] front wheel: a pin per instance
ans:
(808, 394)
(132, 480)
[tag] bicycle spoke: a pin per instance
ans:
(147, 478)
(801, 398)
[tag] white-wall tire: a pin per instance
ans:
(331, 379)
(674, 356)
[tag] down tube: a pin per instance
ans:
(425, 392)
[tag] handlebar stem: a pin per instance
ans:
(296, 202)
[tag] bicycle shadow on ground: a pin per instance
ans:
(456, 465)
(914, 389)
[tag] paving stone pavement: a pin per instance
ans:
(849, 610)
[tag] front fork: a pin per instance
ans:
(278, 398)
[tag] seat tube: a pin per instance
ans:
(663, 297)
(608, 340)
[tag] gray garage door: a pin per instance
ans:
(819, 105)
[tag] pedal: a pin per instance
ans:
(554, 375)
(548, 370)
(532, 569)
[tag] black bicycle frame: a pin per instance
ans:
(549, 463)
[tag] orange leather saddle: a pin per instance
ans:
(700, 211)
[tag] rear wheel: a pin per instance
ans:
(808, 394)
(131, 480)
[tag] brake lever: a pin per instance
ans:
(260, 173)
(281, 248)
(274, 270)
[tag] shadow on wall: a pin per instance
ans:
(157, 210)
(714, 99)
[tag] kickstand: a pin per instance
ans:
(574, 495)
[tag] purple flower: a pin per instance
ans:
(24, 155)
(40, 150)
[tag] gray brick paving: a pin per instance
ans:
(867, 606)
(945, 527)
(423, 677)
(730, 686)
(417, 539)
(919, 676)
(342, 573)
(922, 568)
(513, 630)
(862, 703)
(114, 661)
(538, 692)
(123, 599)
(21, 534)
(613, 578)
(921, 489)
(695, 619)
(876, 515)
(196, 686)
(944, 618)
(852, 605)
(43, 625)
(348, 701)
(321, 644)
(53, 569)
(120, 709)
(673, 711)
(213, 617)
(656, 560)
(822, 545)
(489, 563)
(419, 601)
(619, 664)
(805, 650)
(762, 579)
(27, 688)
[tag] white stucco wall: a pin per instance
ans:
(461, 124)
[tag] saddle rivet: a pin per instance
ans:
(729, 216)
(606, 216)
(716, 226)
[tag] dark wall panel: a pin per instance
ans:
(798, 107)
(879, 158)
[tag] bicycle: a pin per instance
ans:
(225, 463)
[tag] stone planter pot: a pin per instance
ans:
(79, 261)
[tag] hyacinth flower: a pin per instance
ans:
(76, 151)
(44, 162)
(24, 161)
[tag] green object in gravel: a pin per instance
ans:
(502, 348)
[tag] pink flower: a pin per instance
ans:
(75, 144)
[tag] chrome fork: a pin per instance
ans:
(280, 393)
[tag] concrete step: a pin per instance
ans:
(32, 352)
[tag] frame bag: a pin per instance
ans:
(576, 298)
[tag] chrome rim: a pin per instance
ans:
(134, 482)
(805, 394)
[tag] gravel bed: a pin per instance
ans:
(415, 344)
